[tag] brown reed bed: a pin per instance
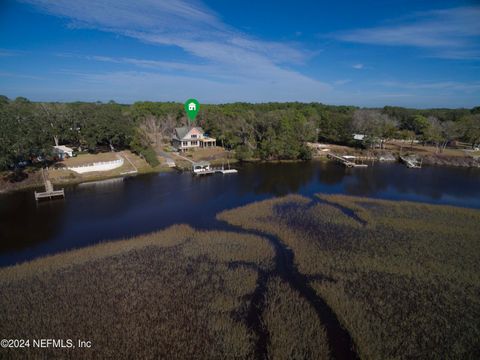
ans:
(170, 294)
(402, 277)
(295, 331)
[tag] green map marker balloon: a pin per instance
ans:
(191, 107)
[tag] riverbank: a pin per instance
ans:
(216, 156)
(393, 150)
(219, 157)
(59, 175)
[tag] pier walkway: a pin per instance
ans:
(345, 160)
(49, 192)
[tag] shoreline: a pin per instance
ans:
(77, 181)
(430, 160)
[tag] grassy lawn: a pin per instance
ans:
(60, 176)
(419, 149)
(402, 277)
(215, 155)
(87, 159)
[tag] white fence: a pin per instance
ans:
(98, 166)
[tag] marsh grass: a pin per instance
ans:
(294, 328)
(406, 276)
(403, 278)
(171, 294)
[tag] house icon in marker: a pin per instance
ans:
(192, 106)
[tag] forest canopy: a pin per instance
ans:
(268, 131)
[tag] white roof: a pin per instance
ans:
(358, 136)
(63, 148)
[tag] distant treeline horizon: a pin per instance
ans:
(268, 131)
(112, 101)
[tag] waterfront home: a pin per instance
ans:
(62, 152)
(188, 137)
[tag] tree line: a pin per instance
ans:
(267, 131)
(28, 130)
(281, 130)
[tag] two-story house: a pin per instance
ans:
(187, 137)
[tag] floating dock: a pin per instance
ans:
(49, 192)
(348, 161)
(228, 171)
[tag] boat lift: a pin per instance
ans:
(204, 168)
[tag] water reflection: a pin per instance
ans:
(329, 173)
(277, 179)
(430, 184)
(24, 223)
(121, 208)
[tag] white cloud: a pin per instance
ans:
(220, 51)
(358, 66)
(128, 86)
(447, 33)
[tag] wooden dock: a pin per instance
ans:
(347, 161)
(49, 192)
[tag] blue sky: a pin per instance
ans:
(366, 53)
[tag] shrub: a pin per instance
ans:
(150, 156)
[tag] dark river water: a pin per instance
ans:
(120, 208)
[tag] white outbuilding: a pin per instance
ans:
(62, 151)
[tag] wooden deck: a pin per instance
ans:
(55, 194)
(49, 192)
(345, 161)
